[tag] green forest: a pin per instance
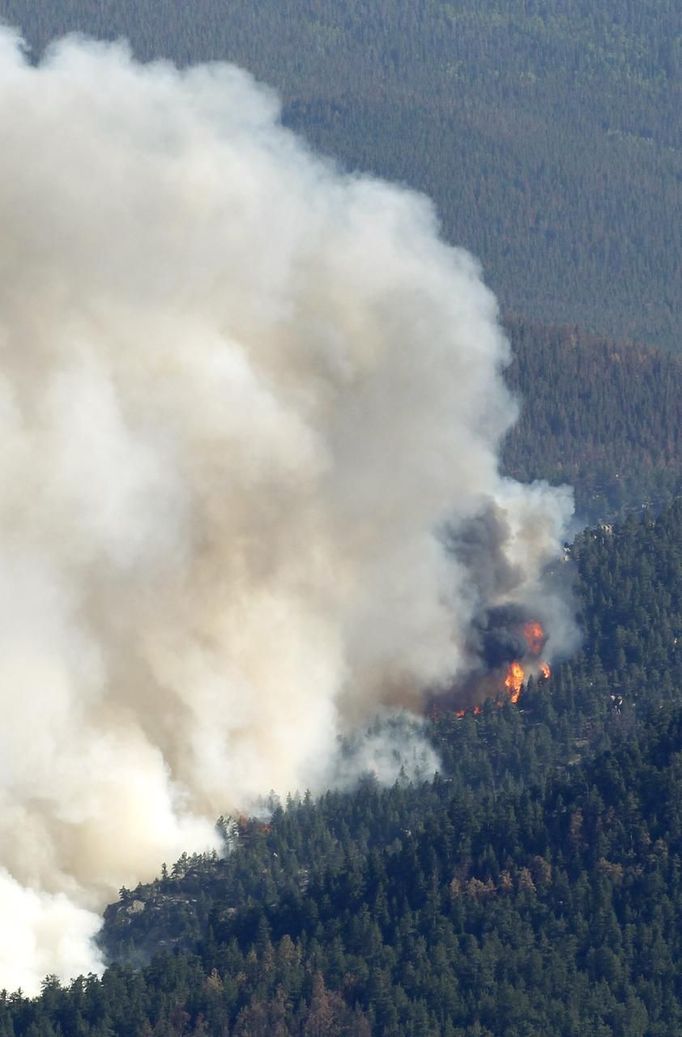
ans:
(548, 134)
(533, 887)
(604, 417)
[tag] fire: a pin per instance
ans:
(513, 682)
(509, 687)
(476, 710)
(535, 636)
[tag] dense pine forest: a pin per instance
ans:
(533, 887)
(604, 417)
(546, 133)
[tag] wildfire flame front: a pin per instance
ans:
(514, 679)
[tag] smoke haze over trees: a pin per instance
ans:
(604, 417)
(548, 134)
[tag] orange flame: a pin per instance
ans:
(535, 636)
(513, 682)
(476, 710)
(515, 674)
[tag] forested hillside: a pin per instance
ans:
(548, 134)
(533, 888)
(604, 417)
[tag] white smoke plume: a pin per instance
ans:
(241, 396)
(391, 748)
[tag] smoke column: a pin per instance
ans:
(245, 400)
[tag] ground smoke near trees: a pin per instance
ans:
(242, 396)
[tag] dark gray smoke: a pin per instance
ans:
(501, 637)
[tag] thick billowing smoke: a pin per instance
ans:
(245, 401)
